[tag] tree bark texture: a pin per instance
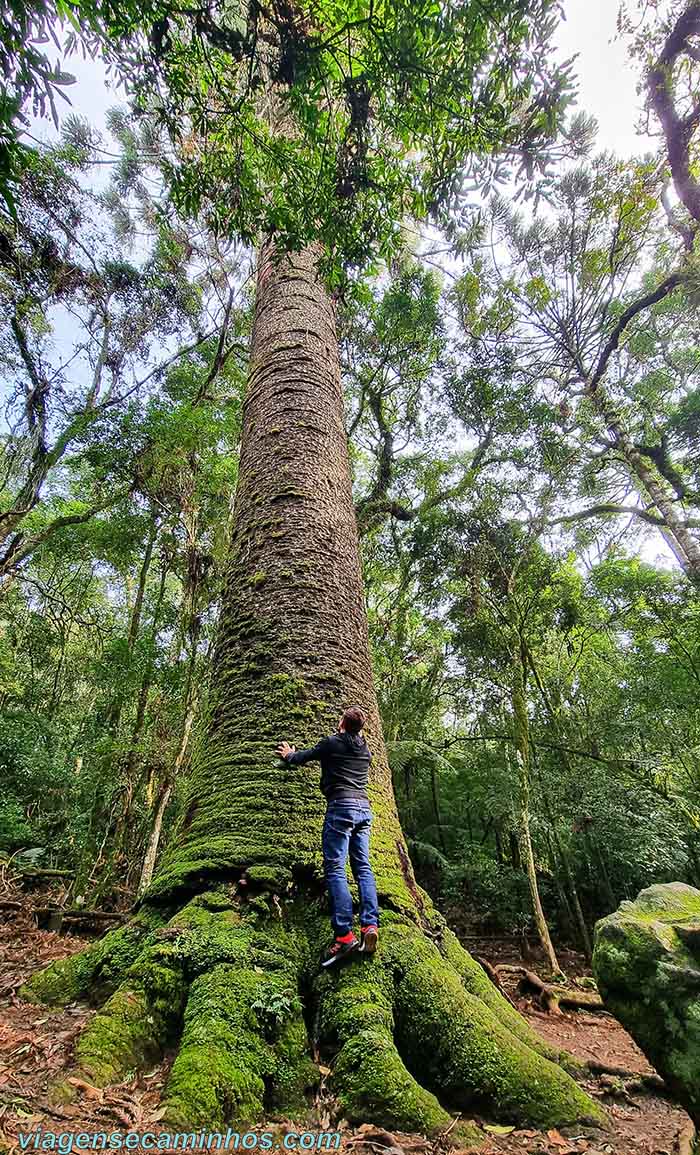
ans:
(292, 647)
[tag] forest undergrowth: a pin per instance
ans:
(36, 1045)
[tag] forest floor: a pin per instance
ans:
(36, 1045)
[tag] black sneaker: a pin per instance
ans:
(338, 951)
(370, 938)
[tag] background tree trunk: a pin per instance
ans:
(521, 735)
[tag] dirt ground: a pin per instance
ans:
(36, 1046)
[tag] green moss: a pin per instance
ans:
(62, 982)
(646, 962)
(666, 902)
(259, 904)
(369, 1078)
(453, 1042)
(61, 1092)
(267, 877)
(243, 1036)
(295, 1074)
(117, 1040)
(249, 823)
(201, 937)
(244, 1047)
(399, 1028)
(372, 1082)
(137, 1021)
(476, 982)
(219, 1069)
(96, 971)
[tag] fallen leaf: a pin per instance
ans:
(90, 1091)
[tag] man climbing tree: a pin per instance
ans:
(221, 951)
(345, 760)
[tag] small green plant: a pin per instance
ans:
(273, 1007)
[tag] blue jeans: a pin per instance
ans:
(346, 831)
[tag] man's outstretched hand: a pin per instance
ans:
(284, 749)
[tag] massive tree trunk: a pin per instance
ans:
(223, 953)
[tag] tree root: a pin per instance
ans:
(58, 918)
(407, 1031)
(96, 972)
(550, 999)
(462, 1047)
(477, 982)
(135, 1022)
(369, 1076)
(491, 971)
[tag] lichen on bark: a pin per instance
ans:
(222, 959)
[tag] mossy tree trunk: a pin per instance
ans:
(223, 953)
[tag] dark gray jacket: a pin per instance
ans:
(344, 759)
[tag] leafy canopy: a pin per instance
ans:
(327, 120)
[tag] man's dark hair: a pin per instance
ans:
(353, 720)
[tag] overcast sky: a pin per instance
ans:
(607, 81)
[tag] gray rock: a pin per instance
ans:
(647, 964)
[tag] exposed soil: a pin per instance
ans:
(36, 1045)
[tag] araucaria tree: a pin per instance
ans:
(226, 943)
(223, 952)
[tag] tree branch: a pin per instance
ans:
(608, 508)
(667, 286)
(16, 552)
(678, 130)
(591, 755)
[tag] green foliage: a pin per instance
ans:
(121, 468)
(34, 774)
(611, 708)
(362, 105)
(274, 1006)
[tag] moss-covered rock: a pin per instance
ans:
(646, 961)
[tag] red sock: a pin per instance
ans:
(345, 937)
